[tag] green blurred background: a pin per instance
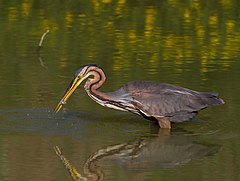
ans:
(194, 44)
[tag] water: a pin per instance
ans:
(192, 44)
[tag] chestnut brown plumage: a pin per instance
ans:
(163, 102)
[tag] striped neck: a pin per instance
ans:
(93, 84)
(109, 99)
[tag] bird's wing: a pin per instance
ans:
(155, 99)
(167, 102)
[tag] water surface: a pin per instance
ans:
(192, 44)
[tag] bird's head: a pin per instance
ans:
(80, 75)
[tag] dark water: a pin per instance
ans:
(193, 44)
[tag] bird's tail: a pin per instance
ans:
(212, 98)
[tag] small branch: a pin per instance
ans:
(41, 41)
(39, 47)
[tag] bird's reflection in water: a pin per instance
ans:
(161, 150)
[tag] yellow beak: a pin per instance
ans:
(73, 85)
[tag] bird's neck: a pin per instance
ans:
(93, 84)
(110, 99)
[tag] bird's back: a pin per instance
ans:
(154, 99)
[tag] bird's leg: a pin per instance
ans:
(164, 123)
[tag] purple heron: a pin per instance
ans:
(162, 102)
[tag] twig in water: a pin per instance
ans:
(41, 41)
(39, 47)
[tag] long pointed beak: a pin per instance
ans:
(73, 85)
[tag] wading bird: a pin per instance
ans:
(162, 102)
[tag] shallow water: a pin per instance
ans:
(192, 44)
